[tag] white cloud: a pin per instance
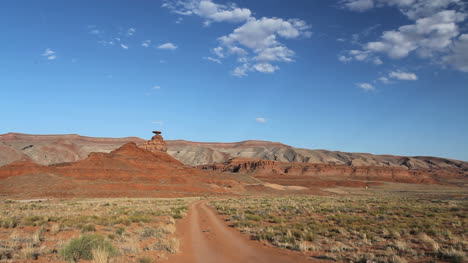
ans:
(131, 31)
(213, 59)
(49, 54)
(218, 51)
(241, 71)
(434, 34)
(358, 5)
(261, 38)
(146, 43)
(458, 57)
(344, 59)
(260, 120)
(123, 46)
(95, 32)
(366, 86)
(208, 10)
(255, 40)
(384, 80)
(158, 122)
(265, 67)
(413, 9)
(377, 61)
(402, 75)
(427, 36)
(167, 46)
(156, 88)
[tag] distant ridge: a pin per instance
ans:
(51, 149)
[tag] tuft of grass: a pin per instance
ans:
(83, 246)
(170, 245)
(100, 255)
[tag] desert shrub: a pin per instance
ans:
(82, 247)
(120, 231)
(452, 255)
(145, 260)
(168, 244)
(34, 221)
(88, 228)
(253, 217)
(9, 223)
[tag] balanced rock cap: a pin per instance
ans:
(157, 132)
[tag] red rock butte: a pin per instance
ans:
(156, 144)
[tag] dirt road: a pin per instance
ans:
(206, 238)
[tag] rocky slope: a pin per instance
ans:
(126, 171)
(267, 168)
(194, 153)
(50, 149)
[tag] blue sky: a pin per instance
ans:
(379, 76)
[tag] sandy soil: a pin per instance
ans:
(206, 238)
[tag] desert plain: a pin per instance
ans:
(69, 198)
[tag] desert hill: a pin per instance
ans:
(51, 149)
(126, 171)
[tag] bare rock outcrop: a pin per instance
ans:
(258, 167)
(156, 144)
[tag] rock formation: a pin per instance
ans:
(156, 144)
(260, 168)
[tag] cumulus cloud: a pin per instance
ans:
(123, 46)
(260, 120)
(434, 35)
(49, 54)
(458, 57)
(402, 75)
(427, 36)
(209, 10)
(366, 86)
(241, 71)
(255, 44)
(265, 67)
(257, 41)
(413, 9)
(167, 46)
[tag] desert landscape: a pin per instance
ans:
(234, 131)
(68, 198)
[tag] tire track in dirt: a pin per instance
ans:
(206, 238)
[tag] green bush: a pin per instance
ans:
(81, 247)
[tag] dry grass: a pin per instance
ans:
(100, 255)
(356, 229)
(33, 230)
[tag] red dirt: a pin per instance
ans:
(128, 171)
(208, 239)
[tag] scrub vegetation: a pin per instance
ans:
(356, 229)
(101, 230)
